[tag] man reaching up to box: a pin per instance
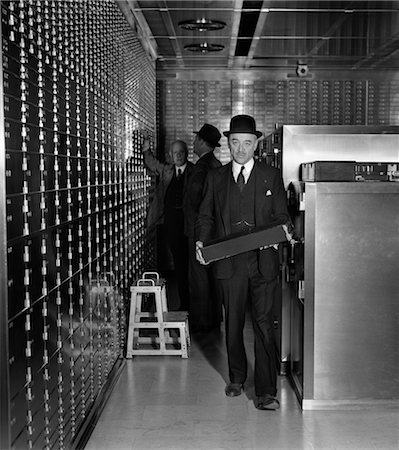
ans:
(238, 197)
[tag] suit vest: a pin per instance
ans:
(242, 205)
(174, 199)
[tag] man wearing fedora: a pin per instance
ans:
(238, 197)
(204, 309)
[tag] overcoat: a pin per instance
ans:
(165, 172)
(195, 188)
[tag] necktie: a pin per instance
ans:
(241, 180)
(179, 189)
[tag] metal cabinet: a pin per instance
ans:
(351, 291)
(301, 311)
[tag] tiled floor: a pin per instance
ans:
(172, 403)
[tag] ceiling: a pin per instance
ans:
(295, 35)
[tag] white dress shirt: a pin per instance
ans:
(181, 168)
(248, 166)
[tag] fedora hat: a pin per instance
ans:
(243, 124)
(210, 134)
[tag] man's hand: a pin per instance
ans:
(198, 253)
(146, 142)
(275, 246)
(146, 145)
(289, 235)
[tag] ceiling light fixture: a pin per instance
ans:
(202, 24)
(204, 47)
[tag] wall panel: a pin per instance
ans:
(78, 90)
(278, 101)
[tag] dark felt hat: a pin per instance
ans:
(243, 124)
(210, 134)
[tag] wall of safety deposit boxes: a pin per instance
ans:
(186, 103)
(78, 90)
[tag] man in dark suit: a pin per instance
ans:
(204, 308)
(239, 196)
(166, 208)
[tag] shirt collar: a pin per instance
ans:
(248, 166)
(182, 168)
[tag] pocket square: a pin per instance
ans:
(268, 193)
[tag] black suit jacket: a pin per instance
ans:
(165, 172)
(194, 190)
(214, 222)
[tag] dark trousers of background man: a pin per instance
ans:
(205, 306)
(248, 282)
(176, 240)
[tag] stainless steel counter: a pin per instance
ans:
(351, 306)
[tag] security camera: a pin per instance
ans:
(302, 70)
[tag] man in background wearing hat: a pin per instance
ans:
(166, 214)
(204, 309)
(239, 196)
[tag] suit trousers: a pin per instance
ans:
(178, 245)
(205, 309)
(248, 284)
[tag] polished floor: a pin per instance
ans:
(165, 402)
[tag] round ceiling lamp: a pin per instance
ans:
(202, 25)
(204, 47)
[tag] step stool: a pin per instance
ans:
(159, 323)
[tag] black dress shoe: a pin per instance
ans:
(267, 402)
(233, 389)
